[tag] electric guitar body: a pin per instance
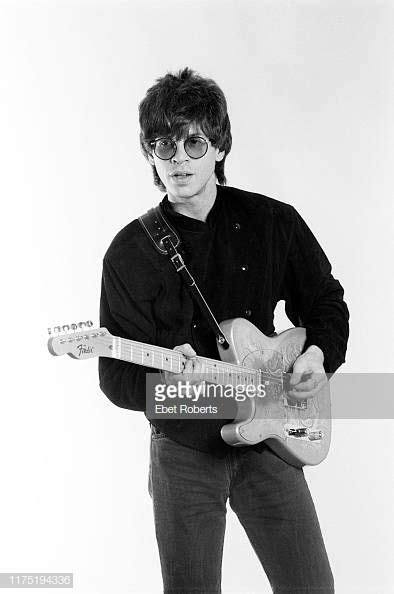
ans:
(299, 431)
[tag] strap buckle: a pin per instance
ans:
(178, 261)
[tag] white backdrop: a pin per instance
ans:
(310, 94)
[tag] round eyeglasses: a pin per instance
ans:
(165, 148)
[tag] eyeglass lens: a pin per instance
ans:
(195, 147)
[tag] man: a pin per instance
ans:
(246, 252)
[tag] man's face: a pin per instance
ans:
(200, 173)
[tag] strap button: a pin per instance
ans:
(245, 267)
(248, 312)
(237, 226)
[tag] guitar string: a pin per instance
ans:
(136, 348)
(212, 365)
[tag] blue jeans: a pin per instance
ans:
(190, 489)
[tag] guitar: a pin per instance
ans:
(298, 430)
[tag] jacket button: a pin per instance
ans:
(237, 226)
(248, 313)
(245, 267)
(194, 325)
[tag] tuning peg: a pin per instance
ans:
(67, 328)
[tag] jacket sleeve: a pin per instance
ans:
(125, 311)
(313, 297)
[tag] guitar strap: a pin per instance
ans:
(166, 241)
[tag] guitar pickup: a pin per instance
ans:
(300, 404)
(300, 432)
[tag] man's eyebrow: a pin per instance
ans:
(198, 133)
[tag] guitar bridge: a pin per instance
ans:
(315, 435)
(304, 432)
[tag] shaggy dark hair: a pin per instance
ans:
(179, 100)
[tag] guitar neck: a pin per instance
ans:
(165, 359)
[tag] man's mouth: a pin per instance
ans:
(180, 174)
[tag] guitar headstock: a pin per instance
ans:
(80, 341)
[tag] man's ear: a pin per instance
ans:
(220, 156)
(151, 159)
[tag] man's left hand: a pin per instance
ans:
(308, 375)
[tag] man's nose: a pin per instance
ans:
(180, 155)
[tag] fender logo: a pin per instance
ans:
(84, 350)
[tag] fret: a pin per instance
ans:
(167, 361)
(146, 357)
(116, 348)
(174, 360)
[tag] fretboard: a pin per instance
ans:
(214, 371)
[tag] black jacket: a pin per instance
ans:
(250, 253)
